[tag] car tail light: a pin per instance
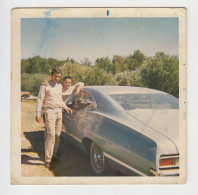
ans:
(169, 161)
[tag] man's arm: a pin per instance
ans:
(39, 103)
(66, 108)
(64, 103)
(78, 86)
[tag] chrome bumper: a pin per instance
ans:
(169, 172)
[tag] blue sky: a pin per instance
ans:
(80, 38)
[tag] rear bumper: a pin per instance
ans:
(170, 172)
(165, 172)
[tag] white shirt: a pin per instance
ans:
(66, 93)
(50, 97)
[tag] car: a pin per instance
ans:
(130, 129)
(24, 95)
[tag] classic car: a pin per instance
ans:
(24, 95)
(134, 130)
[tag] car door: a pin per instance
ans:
(78, 121)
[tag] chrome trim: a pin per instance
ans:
(170, 172)
(169, 167)
(154, 172)
(124, 164)
(171, 156)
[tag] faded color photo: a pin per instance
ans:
(123, 105)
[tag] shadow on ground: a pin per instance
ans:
(73, 162)
(25, 159)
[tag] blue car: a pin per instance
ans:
(131, 129)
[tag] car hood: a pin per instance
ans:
(166, 122)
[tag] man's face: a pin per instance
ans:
(56, 77)
(67, 83)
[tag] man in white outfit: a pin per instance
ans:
(50, 97)
(68, 88)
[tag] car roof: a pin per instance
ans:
(123, 89)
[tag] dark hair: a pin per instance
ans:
(67, 77)
(56, 70)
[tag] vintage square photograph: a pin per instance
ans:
(98, 96)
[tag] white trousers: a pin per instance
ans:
(53, 126)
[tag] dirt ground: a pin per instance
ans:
(73, 161)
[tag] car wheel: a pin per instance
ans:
(22, 98)
(98, 161)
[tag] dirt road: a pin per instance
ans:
(73, 161)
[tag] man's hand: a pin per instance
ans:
(68, 110)
(45, 83)
(38, 119)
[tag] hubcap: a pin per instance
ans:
(98, 158)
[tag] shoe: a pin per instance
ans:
(47, 165)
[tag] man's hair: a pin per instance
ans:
(56, 70)
(67, 77)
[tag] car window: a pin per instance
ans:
(164, 101)
(132, 101)
(82, 101)
(146, 101)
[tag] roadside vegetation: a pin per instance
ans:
(158, 72)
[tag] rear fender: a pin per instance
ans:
(123, 143)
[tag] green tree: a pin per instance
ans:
(96, 76)
(129, 78)
(118, 64)
(86, 62)
(25, 65)
(162, 72)
(35, 66)
(104, 63)
(135, 61)
(32, 82)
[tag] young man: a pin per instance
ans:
(68, 88)
(50, 97)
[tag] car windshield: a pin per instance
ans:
(146, 101)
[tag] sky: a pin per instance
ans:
(93, 38)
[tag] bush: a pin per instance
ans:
(129, 78)
(88, 75)
(161, 72)
(32, 82)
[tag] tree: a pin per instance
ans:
(129, 78)
(118, 64)
(136, 60)
(86, 62)
(39, 65)
(161, 72)
(35, 66)
(25, 65)
(96, 76)
(104, 63)
(32, 82)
